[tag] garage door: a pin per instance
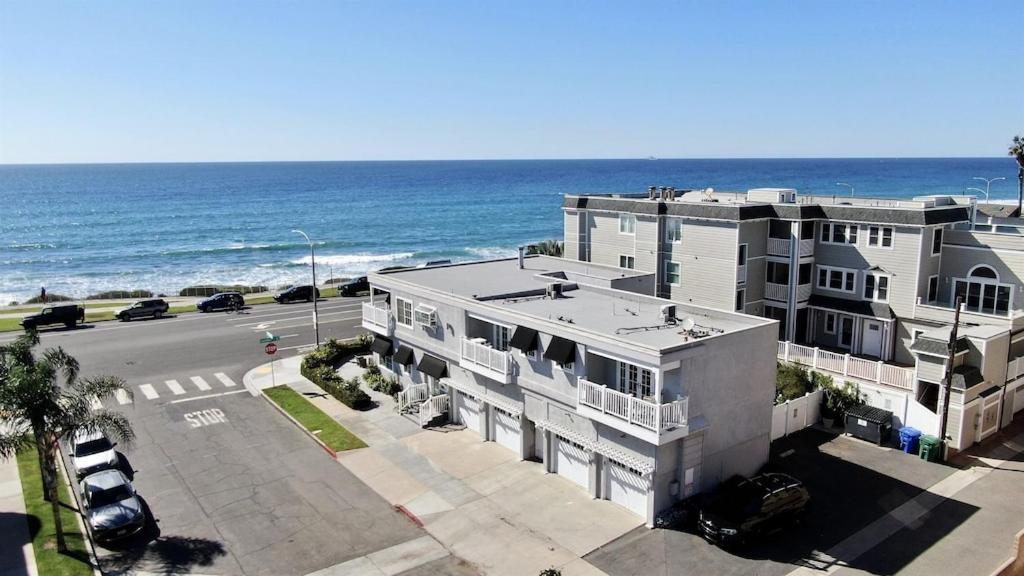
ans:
(469, 412)
(572, 461)
(506, 430)
(627, 488)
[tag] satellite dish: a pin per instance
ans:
(688, 324)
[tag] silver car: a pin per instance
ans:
(92, 452)
(112, 510)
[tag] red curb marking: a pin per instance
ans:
(412, 517)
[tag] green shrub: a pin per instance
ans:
(390, 386)
(210, 290)
(319, 365)
(837, 401)
(791, 382)
(120, 294)
(50, 298)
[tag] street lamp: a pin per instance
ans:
(988, 183)
(980, 191)
(312, 263)
(850, 186)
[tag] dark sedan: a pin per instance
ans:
(222, 301)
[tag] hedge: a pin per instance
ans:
(49, 299)
(318, 366)
(120, 294)
(212, 289)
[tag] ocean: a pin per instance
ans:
(82, 229)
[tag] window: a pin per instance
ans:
(777, 272)
(740, 300)
(674, 230)
(880, 236)
(403, 312)
(394, 367)
(832, 233)
(804, 272)
(830, 322)
(933, 288)
(936, 241)
(845, 332)
(807, 231)
(917, 334)
(741, 255)
(876, 287)
(634, 380)
(627, 224)
(672, 275)
(626, 261)
(982, 292)
(840, 279)
(500, 338)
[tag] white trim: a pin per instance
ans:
(970, 273)
(835, 321)
(941, 231)
(679, 274)
(741, 300)
(412, 314)
(627, 257)
(625, 218)
(669, 221)
(828, 278)
(874, 292)
(831, 233)
(746, 254)
(880, 237)
(928, 289)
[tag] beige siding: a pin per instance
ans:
(957, 261)
(707, 258)
(571, 235)
(607, 244)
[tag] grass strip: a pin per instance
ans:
(334, 435)
(40, 518)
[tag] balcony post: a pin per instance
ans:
(604, 396)
(814, 359)
(629, 410)
(846, 364)
(785, 351)
(878, 372)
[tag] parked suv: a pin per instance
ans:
(354, 286)
(154, 308)
(297, 294)
(92, 452)
(742, 508)
(221, 301)
(112, 508)
(66, 314)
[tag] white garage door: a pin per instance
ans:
(469, 412)
(627, 488)
(506, 430)
(572, 461)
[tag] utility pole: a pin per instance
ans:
(947, 382)
(312, 262)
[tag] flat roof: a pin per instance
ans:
(587, 302)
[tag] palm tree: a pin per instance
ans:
(1017, 151)
(35, 409)
(547, 247)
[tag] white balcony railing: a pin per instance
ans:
(741, 274)
(481, 358)
(846, 365)
(654, 417)
(773, 291)
(1015, 368)
(377, 318)
(803, 292)
(778, 246)
(807, 247)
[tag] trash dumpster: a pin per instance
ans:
(869, 423)
(931, 448)
(909, 438)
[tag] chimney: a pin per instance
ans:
(652, 192)
(522, 254)
(664, 192)
(671, 194)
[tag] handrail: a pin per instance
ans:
(847, 365)
(485, 356)
(649, 415)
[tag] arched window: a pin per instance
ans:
(982, 292)
(983, 271)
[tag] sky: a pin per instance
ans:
(178, 81)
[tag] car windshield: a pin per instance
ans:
(92, 447)
(736, 502)
(110, 496)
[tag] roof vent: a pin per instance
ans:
(668, 313)
(554, 290)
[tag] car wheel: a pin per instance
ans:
(123, 317)
(70, 324)
(158, 314)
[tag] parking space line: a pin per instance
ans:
(122, 397)
(175, 387)
(149, 392)
(200, 383)
(225, 379)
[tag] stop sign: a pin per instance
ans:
(271, 348)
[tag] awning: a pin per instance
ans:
(878, 310)
(432, 366)
(560, 350)
(403, 355)
(642, 465)
(524, 339)
(381, 345)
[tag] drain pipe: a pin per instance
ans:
(522, 254)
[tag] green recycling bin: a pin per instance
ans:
(931, 448)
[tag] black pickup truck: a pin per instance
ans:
(66, 314)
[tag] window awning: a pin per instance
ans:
(382, 345)
(524, 339)
(432, 366)
(403, 355)
(560, 350)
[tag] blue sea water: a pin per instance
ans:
(81, 229)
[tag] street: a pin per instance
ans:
(230, 485)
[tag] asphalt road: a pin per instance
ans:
(231, 486)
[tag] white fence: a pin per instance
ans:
(796, 415)
(874, 371)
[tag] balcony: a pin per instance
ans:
(803, 292)
(941, 312)
(479, 357)
(377, 319)
(873, 371)
(807, 247)
(629, 411)
(778, 246)
(779, 292)
(1015, 368)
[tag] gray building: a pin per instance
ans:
(637, 399)
(853, 282)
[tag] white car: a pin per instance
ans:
(92, 452)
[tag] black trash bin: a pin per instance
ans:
(869, 423)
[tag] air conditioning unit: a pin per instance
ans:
(668, 312)
(425, 316)
(554, 290)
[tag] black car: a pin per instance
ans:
(743, 508)
(297, 294)
(154, 308)
(354, 286)
(66, 314)
(222, 301)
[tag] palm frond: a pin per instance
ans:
(115, 425)
(63, 362)
(13, 441)
(101, 387)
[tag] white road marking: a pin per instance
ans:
(253, 319)
(95, 403)
(207, 417)
(207, 396)
(298, 347)
(148, 391)
(200, 383)
(307, 321)
(175, 387)
(122, 397)
(225, 380)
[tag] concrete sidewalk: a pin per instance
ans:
(16, 555)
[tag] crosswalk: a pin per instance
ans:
(172, 388)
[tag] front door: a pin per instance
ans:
(871, 339)
(845, 332)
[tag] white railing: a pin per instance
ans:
(807, 247)
(414, 394)
(656, 417)
(846, 365)
(741, 274)
(1015, 368)
(778, 246)
(773, 291)
(483, 359)
(432, 408)
(803, 292)
(378, 317)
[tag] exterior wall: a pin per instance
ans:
(570, 237)
(607, 244)
(755, 236)
(928, 263)
(931, 368)
(707, 258)
(957, 261)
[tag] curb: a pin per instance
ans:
(326, 448)
(86, 534)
